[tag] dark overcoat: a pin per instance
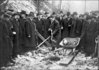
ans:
(67, 24)
(46, 27)
(31, 27)
(89, 37)
(5, 42)
(54, 26)
(15, 31)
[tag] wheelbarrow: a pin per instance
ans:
(70, 43)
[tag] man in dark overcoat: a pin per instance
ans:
(5, 40)
(39, 26)
(46, 22)
(24, 32)
(15, 30)
(67, 24)
(89, 36)
(74, 25)
(54, 28)
(60, 20)
(32, 41)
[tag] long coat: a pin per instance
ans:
(31, 31)
(5, 42)
(80, 31)
(46, 27)
(78, 27)
(61, 21)
(24, 31)
(66, 27)
(89, 37)
(39, 28)
(54, 26)
(21, 34)
(39, 25)
(16, 47)
(97, 26)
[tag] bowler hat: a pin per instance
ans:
(68, 13)
(23, 12)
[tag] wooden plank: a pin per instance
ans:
(43, 42)
(42, 38)
(70, 60)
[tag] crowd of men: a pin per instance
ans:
(18, 31)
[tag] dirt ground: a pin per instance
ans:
(44, 59)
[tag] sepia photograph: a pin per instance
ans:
(49, 34)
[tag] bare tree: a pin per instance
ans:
(3, 4)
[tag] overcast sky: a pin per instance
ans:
(79, 6)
